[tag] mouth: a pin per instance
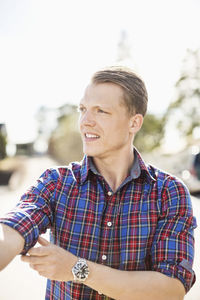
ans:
(91, 136)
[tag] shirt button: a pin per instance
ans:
(104, 257)
(109, 193)
(109, 224)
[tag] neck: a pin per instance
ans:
(115, 169)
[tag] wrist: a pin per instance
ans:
(80, 270)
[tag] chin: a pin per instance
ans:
(87, 151)
(90, 152)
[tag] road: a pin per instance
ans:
(18, 281)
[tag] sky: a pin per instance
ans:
(50, 48)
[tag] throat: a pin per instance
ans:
(114, 177)
(114, 185)
(115, 169)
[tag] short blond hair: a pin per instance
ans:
(135, 93)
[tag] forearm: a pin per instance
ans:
(56, 263)
(134, 285)
(11, 244)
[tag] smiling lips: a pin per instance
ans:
(91, 136)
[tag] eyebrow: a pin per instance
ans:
(97, 106)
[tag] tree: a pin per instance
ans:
(3, 141)
(151, 134)
(185, 110)
(65, 144)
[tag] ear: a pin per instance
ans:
(136, 122)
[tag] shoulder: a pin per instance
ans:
(63, 173)
(172, 191)
(165, 179)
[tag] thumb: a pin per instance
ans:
(40, 251)
(43, 242)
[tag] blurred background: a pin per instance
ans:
(48, 51)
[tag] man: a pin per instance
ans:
(120, 229)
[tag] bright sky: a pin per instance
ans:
(49, 49)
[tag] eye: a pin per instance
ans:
(81, 109)
(101, 111)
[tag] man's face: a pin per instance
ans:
(104, 121)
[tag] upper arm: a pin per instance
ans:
(33, 214)
(11, 244)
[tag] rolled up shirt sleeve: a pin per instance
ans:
(173, 246)
(34, 212)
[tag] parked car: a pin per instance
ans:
(192, 182)
(191, 176)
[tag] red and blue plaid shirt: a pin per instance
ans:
(147, 224)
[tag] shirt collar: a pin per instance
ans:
(85, 166)
(139, 167)
(145, 169)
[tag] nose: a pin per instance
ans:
(87, 119)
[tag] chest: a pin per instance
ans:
(91, 223)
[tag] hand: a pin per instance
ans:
(50, 261)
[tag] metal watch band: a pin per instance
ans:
(80, 270)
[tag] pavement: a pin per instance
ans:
(18, 281)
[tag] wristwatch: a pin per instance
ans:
(80, 270)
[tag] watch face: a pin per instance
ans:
(81, 270)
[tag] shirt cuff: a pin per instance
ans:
(22, 223)
(182, 271)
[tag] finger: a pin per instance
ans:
(25, 258)
(37, 267)
(39, 251)
(42, 272)
(35, 260)
(43, 242)
(30, 259)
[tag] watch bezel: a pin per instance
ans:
(80, 270)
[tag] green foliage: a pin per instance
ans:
(185, 110)
(2, 146)
(151, 134)
(65, 143)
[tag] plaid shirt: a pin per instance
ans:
(147, 224)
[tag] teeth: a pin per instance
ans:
(88, 135)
